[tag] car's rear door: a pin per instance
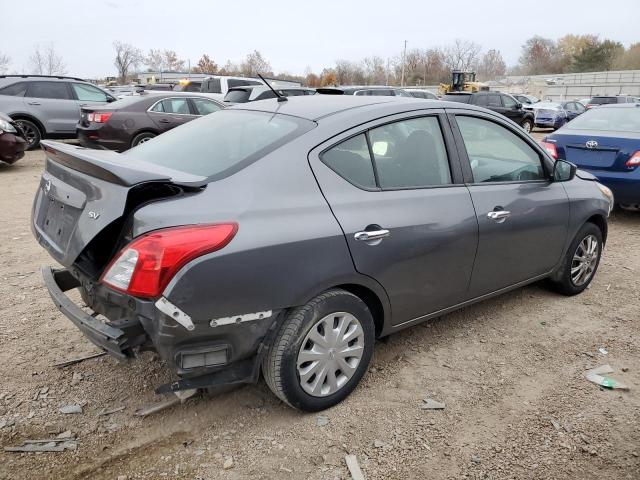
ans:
(396, 188)
(522, 215)
(171, 112)
(52, 104)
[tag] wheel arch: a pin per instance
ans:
(600, 222)
(371, 299)
(142, 130)
(31, 118)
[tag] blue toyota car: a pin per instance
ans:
(604, 141)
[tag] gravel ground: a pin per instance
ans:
(510, 371)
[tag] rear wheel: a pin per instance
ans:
(321, 351)
(581, 261)
(31, 132)
(527, 125)
(142, 138)
(630, 207)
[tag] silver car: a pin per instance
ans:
(285, 237)
(46, 106)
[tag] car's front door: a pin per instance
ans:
(522, 214)
(395, 187)
(88, 95)
(53, 105)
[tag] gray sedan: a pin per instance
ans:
(284, 237)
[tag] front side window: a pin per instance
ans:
(508, 101)
(179, 106)
(204, 106)
(496, 154)
(16, 89)
(351, 160)
(410, 154)
(53, 90)
(89, 93)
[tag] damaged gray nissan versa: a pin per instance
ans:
(285, 236)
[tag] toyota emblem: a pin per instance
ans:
(592, 144)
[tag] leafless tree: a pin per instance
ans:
(46, 61)
(127, 57)
(491, 66)
(461, 55)
(205, 65)
(375, 70)
(255, 63)
(171, 61)
(154, 60)
(4, 63)
(349, 73)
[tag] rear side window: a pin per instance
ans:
(237, 82)
(351, 160)
(410, 154)
(178, 106)
(212, 86)
(53, 90)
(237, 96)
(219, 145)
(494, 100)
(89, 93)
(16, 89)
(204, 106)
(496, 154)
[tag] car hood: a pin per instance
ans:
(584, 175)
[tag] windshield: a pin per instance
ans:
(221, 143)
(609, 119)
(546, 106)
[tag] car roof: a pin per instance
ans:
(42, 77)
(264, 87)
(317, 107)
(619, 105)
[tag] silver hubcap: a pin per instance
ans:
(585, 260)
(330, 354)
(144, 140)
(28, 130)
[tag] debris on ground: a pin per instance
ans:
(354, 467)
(78, 360)
(322, 420)
(431, 404)
(603, 350)
(180, 397)
(7, 423)
(228, 463)
(596, 376)
(70, 409)
(109, 411)
(45, 445)
(378, 443)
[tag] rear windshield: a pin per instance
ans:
(222, 143)
(610, 119)
(237, 96)
(602, 100)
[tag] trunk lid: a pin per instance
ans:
(83, 191)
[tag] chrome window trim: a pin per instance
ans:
(150, 109)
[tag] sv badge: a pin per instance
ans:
(94, 215)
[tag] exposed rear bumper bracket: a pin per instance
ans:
(114, 341)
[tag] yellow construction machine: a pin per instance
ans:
(462, 82)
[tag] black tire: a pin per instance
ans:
(141, 138)
(527, 125)
(562, 281)
(31, 131)
(280, 365)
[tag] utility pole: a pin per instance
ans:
(387, 72)
(404, 58)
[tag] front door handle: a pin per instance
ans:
(33, 103)
(366, 236)
(499, 215)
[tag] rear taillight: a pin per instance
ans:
(98, 117)
(551, 149)
(634, 160)
(145, 266)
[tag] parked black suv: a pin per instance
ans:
(498, 102)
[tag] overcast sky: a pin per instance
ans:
(294, 35)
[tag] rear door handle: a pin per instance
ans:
(164, 120)
(499, 216)
(366, 236)
(33, 103)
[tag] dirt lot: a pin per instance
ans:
(510, 370)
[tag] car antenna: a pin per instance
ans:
(281, 98)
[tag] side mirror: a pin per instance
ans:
(563, 171)
(111, 99)
(518, 106)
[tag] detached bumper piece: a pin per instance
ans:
(115, 341)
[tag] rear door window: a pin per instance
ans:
(52, 90)
(177, 106)
(17, 89)
(496, 154)
(212, 85)
(352, 161)
(410, 153)
(493, 100)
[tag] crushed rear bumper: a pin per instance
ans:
(118, 342)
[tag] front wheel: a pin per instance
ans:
(581, 261)
(321, 351)
(527, 125)
(32, 133)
